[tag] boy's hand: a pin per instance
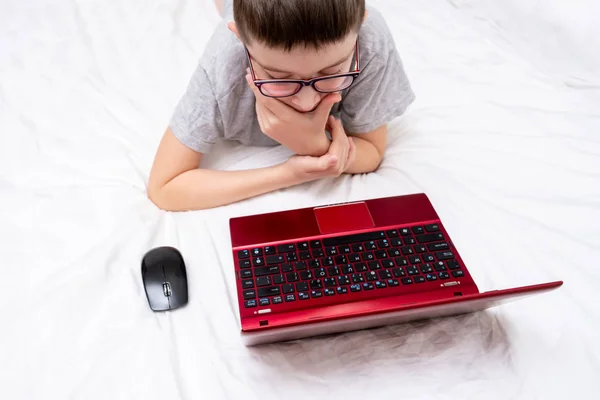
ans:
(335, 162)
(302, 133)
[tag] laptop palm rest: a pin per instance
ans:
(343, 218)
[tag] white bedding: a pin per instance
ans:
(503, 137)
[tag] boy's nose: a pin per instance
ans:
(306, 100)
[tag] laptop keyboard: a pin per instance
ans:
(378, 260)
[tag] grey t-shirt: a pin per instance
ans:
(218, 104)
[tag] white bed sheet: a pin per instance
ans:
(507, 150)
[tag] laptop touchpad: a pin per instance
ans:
(343, 218)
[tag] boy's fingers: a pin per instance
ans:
(327, 103)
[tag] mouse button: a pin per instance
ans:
(179, 292)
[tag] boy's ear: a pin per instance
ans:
(366, 15)
(233, 28)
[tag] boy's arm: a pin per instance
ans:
(370, 148)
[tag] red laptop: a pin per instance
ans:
(345, 267)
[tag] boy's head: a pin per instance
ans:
(299, 39)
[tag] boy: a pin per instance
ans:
(275, 75)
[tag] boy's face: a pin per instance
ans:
(303, 63)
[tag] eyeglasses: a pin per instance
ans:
(278, 88)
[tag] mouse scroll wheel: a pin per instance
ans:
(167, 289)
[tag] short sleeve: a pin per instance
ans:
(196, 121)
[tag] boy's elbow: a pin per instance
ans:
(156, 194)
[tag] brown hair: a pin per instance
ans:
(289, 23)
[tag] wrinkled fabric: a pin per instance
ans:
(507, 151)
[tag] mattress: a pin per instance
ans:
(503, 138)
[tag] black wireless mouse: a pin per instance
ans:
(165, 279)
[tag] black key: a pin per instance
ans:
(373, 265)
(345, 249)
(428, 258)
(243, 254)
(329, 292)
(396, 242)
(425, 269)
(331, 251)
(278, 279)
(264, 302)
(328, 261)
(348, 269)
(303, 246)
(384, 274)
(342, 290)
(247, 284)
(314, 264)
(367, 256)
(329, 282)
(318, 253)
(392, 282)
(412, 270)
(418, 230)
(315, 294)
(387, 264)
(431, 277)
(315, 244)
(439, 266)
(302, 286)
(401, 261)
(452, 264)
(249, 294)
(392, 233)
(275, 259)
(259, 261)
(268, 291)
(261, 271)
(405, 232)
(305, 255)
(406, 281)
(270, 250)
(316, 284)
(458, 274)
(437, 246)
(320, 273)
(419, 279)
(409, 240)
(415, 259)
(368, 286)
(303, 296)
(250, 304)
(371, 276)
(263, 281)
(277, 300)
(407, 250)
(291, 257)
(432, 228)
(443, 275)
(353, 258)
(420, 248)
(286, 248)
(358, 278)
(394, 252)
(244, 264)
(292, 277)
(290, 297)
(306, 275)
(287, 267)
(344, 280)
(333, 271)
(361, 267)
(246, 273)
(379, 254)
(300, 265)
(287, 288)
(341, 260)
(398, 272)
(380, 285)
(358, 248)
(430, 237)
(257, 252)
(371, 245)
(361, 237)
(444, 255)
(355, 288)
